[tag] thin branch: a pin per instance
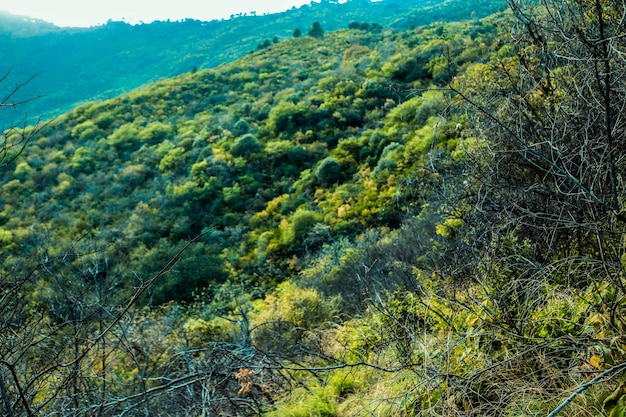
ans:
(343, 366)
(142, 288)
(20, 390)
(6, 101)
(608, 373)
(535, 152)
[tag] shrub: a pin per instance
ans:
(199, 172)
(328, 171)
(201, 266)
(300, 224)
(82, 160)
(241, 127)
(316, 31)
(286, 316)
(383, 169)
(155, 132)
(245, 146)
(23, 170)
(86, 130)
(126, 137)
(172, 160)
(287, 116)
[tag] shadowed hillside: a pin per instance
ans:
(77, 65)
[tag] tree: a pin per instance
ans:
(297, 33)
(299, 226)
(328, 171)
(266, 44)
(556, 141)
(316, 30)
(545, 205)
(245, 146)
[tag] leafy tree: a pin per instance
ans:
(328, 171)
(299, 225)
(202, 267)
(246, 145)
(297, 33)
(172, 160)
(316, 31)
(288, 318)
(266, 44)
(241, 127)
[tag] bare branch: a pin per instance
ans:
(600, 378)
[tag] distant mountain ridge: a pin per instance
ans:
(74, 65)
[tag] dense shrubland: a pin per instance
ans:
(74, 65)
(372, 222)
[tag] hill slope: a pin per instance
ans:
(243, 149)
(288, 152)
(376, 222)
(77, 65)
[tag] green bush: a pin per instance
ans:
(384, 167)
(172, 160)
(86, 130)
(200, 266)
(245, 146)
(316, 31)
(241, 127)
(300, 224)
(329, 171)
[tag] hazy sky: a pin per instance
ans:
(93, 12)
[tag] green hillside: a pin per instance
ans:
(74, 65)
(294, 133)
(392, 222)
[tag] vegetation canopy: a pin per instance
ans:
(374, 220)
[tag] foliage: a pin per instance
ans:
(360, 240)
(328, 171)
(316, 30)
(245, 146)
(111, 59)
(291, 317)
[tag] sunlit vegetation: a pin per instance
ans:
(268, 146)
(340, 224)
(74, 65)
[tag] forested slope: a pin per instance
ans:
(374, 222)
(74, 65)
(308, 131)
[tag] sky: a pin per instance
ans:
(84, 13)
